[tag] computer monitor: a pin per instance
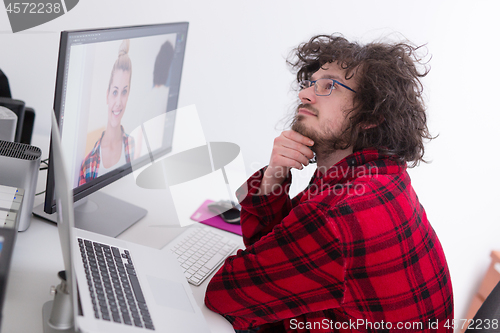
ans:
(111, 83)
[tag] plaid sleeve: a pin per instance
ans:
(295, 269)
(260, 213)
(129, 144)
(90, 164)
(81, 178)
(88, 170)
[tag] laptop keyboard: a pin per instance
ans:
(114, 288)
(200, 251)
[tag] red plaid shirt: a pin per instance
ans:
(353, 252)
(90, 164)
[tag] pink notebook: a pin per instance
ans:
(202, 215)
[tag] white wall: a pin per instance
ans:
(235, 74)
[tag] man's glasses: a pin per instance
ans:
(322, 87)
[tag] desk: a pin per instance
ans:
(37, 259)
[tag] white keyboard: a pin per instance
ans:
(200, 251)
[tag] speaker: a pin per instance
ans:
(28, 124)
(8, 124)
(20, 164)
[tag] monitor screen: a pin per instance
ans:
(116, 94)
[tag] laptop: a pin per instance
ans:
(117, 286)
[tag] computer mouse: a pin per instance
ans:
(227, 210)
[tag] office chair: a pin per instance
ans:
(25, 115)
(4, 85)
(489, 311)
(18, 107)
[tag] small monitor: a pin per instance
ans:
(110, 84)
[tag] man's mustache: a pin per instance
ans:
(308, 107)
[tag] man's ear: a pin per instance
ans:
(367, 126)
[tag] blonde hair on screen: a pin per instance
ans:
(123, 61)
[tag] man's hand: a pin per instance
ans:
(290, 150)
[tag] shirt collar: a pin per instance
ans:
(366, 162)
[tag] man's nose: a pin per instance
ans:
(307, 95)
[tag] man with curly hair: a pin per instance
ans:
(354, 251)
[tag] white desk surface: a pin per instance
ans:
(37, 258)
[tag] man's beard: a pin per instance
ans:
(325, 143)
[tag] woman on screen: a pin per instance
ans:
(114, 148)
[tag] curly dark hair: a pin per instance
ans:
(389, 93)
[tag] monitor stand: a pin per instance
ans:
(101, 213)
